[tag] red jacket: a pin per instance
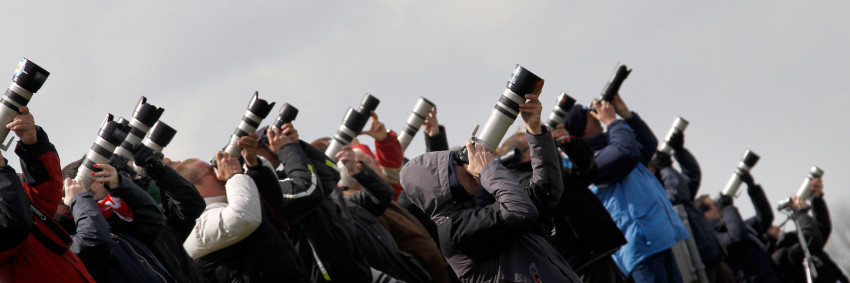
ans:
(390, 157)
(23, 257)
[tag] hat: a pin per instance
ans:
(575, 121)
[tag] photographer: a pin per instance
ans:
(32, 240)
(494, 242)
(788, 254)
(748, 257)
(681, 189)
(235, 238)
(630, 193)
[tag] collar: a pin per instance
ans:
(215, 199)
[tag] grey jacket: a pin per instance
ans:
(487, 244)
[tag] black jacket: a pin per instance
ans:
(789, 254)
(748, 257)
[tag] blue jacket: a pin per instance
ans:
(632, 195)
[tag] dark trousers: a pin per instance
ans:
(658, 268)
(603, 270)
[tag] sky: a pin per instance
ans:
(764, 75)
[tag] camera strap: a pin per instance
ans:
(46, 240)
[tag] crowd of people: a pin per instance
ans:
(590, 200)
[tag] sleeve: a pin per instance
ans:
(42, 175)
(181, 202)
(301, 191)
(764, 214)
(677, 192)
(690, 168)
(223, 225)
(323, 167)
(794, 253)
(620, 157)
(821, 215)
(390, 158)
(438, 142)
(267, 185)
(376, 194)
(148, 219)
(91, 240)
(546, 185)
(644, 136)
(483, 232)
(15, 213)
(584, 167)
(735, 229)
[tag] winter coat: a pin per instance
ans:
(681, 188)
(748, 257)
(486, 244)
(583, 230)
(31, 238)
(789, 254)
(632, 195)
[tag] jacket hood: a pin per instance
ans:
(425, 179)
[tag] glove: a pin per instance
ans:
(660, 161)
(746, 178)
(724, 201)
(122, 165)
(677, 141)
(145, 156)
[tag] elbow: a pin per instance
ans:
(521, 216)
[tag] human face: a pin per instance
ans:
(467, 181)
(593, 127)
(713, 213)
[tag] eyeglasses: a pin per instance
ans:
(210, 171)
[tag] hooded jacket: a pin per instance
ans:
(486, 244)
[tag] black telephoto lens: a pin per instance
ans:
(369, 104)
(287, 115)
(564, 104)
(144, 117)
(26, 81)
(612, 87)
(258, 109)
(110, 135)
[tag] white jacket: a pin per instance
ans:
(227, 219)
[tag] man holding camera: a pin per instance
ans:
(495, 242)
(748, 256)
(630, 193)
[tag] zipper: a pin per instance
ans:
(125, 242)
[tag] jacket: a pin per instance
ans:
(681, 188)
(583, 230)
(486, 244)
(748, 257)
(31, 239)
(226, 219)
(632, 195)
(789, 254)
(382, 252)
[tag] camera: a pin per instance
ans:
(26, 81)
(159, 136)
(565, 103)
(257, 110)
(417, 117)
(503, 115)
(144, 117)
(110, 135)
(352, 123)
(287, 114)
(613, 86)
(511, 157)
(747, 162)
(805, 191)
(679, 126)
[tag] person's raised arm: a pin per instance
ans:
(300, 188)
(435, 134)
(819, 209)
(148, 219)
(91, 239)
(688, 163)
(764, 213)
(623, 152)
(42, 175)
(376, 194)
(735, 229)
(546, 184)
(643, 134)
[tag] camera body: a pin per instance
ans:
(612, 87)
(352, 123)
(110, 135)
(287, 114)
(564, 104)
(748, 161)
(503, 115)
(144, 117)
(679, 126)
(26, 81)
(417, 117)
(257, 110)
(805, 190)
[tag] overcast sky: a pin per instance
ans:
(764, 75)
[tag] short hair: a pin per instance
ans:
(515, 141)
(320, 143)
(190, 173)
(703, 203)
(70, 170)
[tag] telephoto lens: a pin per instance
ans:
(26, 81)
(564, 104)
(144, 117)
(258, 109)
(613, 86)
(287, 115)
(747, 162)
(111, 134)
(679, 126)
(805, 191)
(503, 115)
(352, 124)
(414, 121)
(511, 157)
(157, 139)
